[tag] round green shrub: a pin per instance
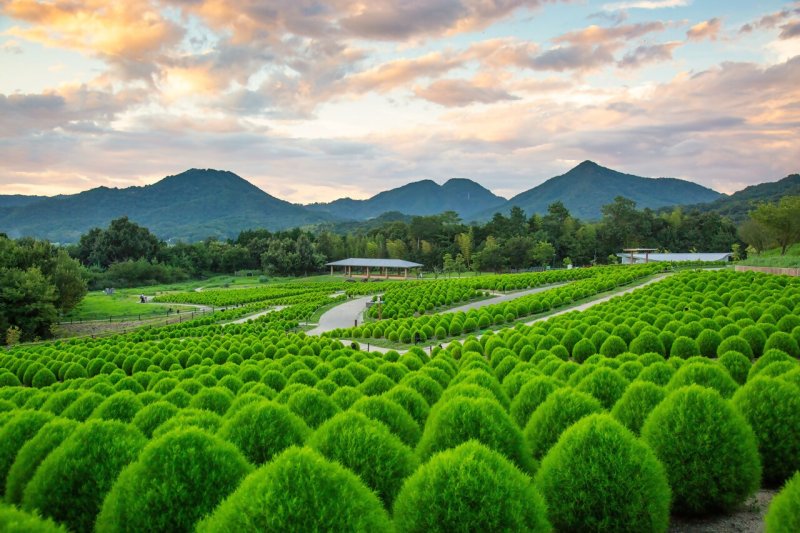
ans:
(531, 396)
(647, 342)
(462, 419)
(215, 399)
(769, 357)
(783, 515)
(346, 396)
(756, 338)
(605, 384)
(684, 347)
(121, 406)
(485, 380)
(369, 449)
(708, 341)
(561, 409)
(83, 407)
(43, 378)
(12, 520)
(707, 448)
(390, 414)
(600, 477)
(582, 350)
(177, 479)
(639, 399)
(410, 400)
(31, 455)
(313, 406)
(190, 417)
(427, 387)
(706, 375)
(613, 346)
(71, 483)
(22, 427)
(737, 365)
(449, 493)
(657, 373)
(737, 344)
(264, 429)
(330, 498)
(784, 342)
(772, 408)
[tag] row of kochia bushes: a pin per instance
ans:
(235, 296)
(613, 443)
(402, 300)
(445, 325)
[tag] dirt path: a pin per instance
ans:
(749, 518)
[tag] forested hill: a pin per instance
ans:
(589, 186)
(190, 206)
(425, 197)
(18, 200)
(739, 204)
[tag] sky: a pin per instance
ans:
(314, 100)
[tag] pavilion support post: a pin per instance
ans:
(369, 271)
(405, 273)
(331, 270)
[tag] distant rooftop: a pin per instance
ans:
(712, 256)
(374, 263)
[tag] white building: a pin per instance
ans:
(636, 258)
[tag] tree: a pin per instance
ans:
(68, 277)
(28, 301)
(460, 265)
(448, 264)
(754, 235)
(490, 258)
(465, 243)
(517, 250)
(542, 253)
(781, 220)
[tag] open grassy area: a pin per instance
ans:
(773, 258)
(99, 306)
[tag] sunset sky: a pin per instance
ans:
(316, 100)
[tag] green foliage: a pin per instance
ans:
(461, 419)
(600, 477)
(530, 397)
(31, 455)
(772, 408)
(392, 415)
(12, 520)
(71, 483)
(561, 409)
(706, 375)
(783, 515)
(14, 434)
(150, 417)
(176, 480)
(605, 384)
(639, 399)
(784, 342)
(330, 498)
(707, 448)
(737, 365)
(449, 492)
(369, 449)
(264, 429)
(313, 406)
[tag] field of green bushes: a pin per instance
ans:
(679, 399)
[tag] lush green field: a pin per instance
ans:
(100, 306)
(773, 258)
(680, 399)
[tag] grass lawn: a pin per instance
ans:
(99, 306)
(773, 258)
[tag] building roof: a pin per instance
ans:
(374, 263)
(714, 256)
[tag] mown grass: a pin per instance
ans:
(99, 306)
(773, 258)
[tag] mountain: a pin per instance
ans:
(192, 205)
(17, 200)
(425, 197)
(589, 186)
(739, 204)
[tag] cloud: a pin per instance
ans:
(393, 74)
(644, 54)
(790, 30)
(772, 20)
(459, 93)
(129, 30)
(708, 29)
(646, 4)
(11, 47)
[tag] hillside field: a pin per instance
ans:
(676, 403)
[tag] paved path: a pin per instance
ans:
(500, 298)
(341, 316)
(255, 315)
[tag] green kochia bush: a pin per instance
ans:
(190, 417)
(463, 419)
(369, 449)
(31, 455)
(640, 398)
(531, 396)
(783, 515)
(264, 429)
(329, 498)
(711, 376)
(707, 448)
(600, 477)
(605, 384)
(14, 434)
(150, 417)
(176, 480)
(12, 520)
(69, 486)
(561, 409)
(469, 488)
(737, 364)
(772, 408)
(392, 415)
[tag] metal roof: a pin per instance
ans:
(715, 256)
(376, 263)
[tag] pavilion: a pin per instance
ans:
(642, 255)
(366, 266)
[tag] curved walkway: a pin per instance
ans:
(501, 298)
(341, 316)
